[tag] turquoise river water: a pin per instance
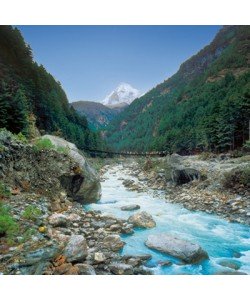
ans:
(223, 241)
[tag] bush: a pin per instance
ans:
(8, 226)
(31, 212)
(64, 150)
(46, 144)
(43, 144)
(246, 146)
(206, 155)
(4, 191)
(237, 177)
(21, 138)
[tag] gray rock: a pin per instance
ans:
(142, 219)
(130, 207)
(232, 264)
(76, 250)
(99, 257)
(187, 251)
(83, 184)
(182, 176)
(113, 242)
(58, 220)
(42, 254)
(121, 269)
(85, 269)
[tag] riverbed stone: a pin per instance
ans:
(76, 250)
(232, 264)
(99, 257)
(130, 207)
(113, 242)
(185, 250)
(58, 220)
(121, 269)
(142, 219)
(85, 269)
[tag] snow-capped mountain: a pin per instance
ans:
(123, 95)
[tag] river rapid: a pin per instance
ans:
(227, 244)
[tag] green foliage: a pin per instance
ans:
(8, 226)
(4, 191)
(237, 177)
(205, 106)
(46, 144)
(43, 144)
(246, 146)
(28, 234)
(32, 212)
(22, 138)
(63, 150)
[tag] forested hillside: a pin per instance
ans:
(29, 94)
(204, 106)
(97, 114)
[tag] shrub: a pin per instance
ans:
(28, 234)
(31, 212)
(206, 155)
(43, 144)
(237, 177)
(64, 150)
(4, 191)
(246, 146)
(8, 226)
(21, 138)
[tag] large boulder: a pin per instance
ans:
(77, 249)
(33, 168)
(81, 182)
(185, 250)
(185, 175)
(142, 220)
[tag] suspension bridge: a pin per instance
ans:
(126, 153)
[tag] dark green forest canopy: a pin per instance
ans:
(28, 92)
(204, 106)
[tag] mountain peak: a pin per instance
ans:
(123, 94)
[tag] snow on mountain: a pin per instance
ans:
(124, 94)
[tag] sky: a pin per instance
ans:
(91, 61)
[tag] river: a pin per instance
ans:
(225, 242)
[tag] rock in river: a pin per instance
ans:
(142, 219)
(76, 249)
(130, 207)
(187, 251)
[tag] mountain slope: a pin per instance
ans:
(123, 95)
(97, 114)
(28, 94)
(205, 105)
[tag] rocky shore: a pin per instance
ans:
(43, 229)
(205, 193)
(70, 241)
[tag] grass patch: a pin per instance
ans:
(8, 226)
(32, 213)
(43, 144)
(63, 150)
